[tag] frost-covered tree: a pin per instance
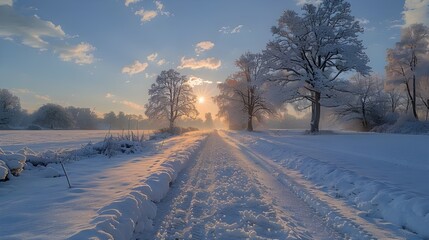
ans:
(229, 105)
(110, 119)
(171, 97)
(408, 61)
(10, 107)
(423, 94)
(365, 101)
(83, 118)
(248, 87)
(53, 116)
(311, 51)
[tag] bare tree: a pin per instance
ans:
(408, 61)
(229, 105)
(246, 87)
(365, 101)
(171, 97)
(311, 51)
(423, 94)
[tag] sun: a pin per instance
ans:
(201, 99)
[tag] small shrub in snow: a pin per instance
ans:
(113, 145)
(164, 133)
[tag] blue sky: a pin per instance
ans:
(106, 54)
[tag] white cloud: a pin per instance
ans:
(135, 68)
(160, 8)
(237, 29)
(131, 105)
(192, 63)
(6, 2)
(228, 30)
(109, 95)
(416, 11)
(34, 32)
(29, 29)
(43, 97)
(147, 75)
(363, 22)
(161, 62)
(146, 15)
(80, 54)
(302, 2)
(25, 91)
(203, 46)
(152, 57)
(128, 2)
(196, 81)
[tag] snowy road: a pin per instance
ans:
(225, 195)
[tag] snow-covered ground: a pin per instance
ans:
(264, 185)
(381, 178)
(41, 140)
(37, 206)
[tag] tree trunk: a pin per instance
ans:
(315, 113)
(171, 126)
(413, 100)
(364, 121)
(249, 124)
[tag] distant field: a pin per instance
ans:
(53, 139)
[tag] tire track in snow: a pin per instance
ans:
(336, 212)
(223, 197)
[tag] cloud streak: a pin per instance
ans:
(192, 63)
(128, 2)
(79, 54)
(136, 67)
(146, 15)
(203, 46)
(196, 81)
(229, 30)
(33, 32)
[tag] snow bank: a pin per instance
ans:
(134, 213)
(345, 175)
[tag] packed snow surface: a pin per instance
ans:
(383, 176)
(230, 185)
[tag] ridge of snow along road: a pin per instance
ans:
(134, 212)
(378, 185)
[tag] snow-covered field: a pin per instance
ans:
(275, 184)
(37, 206)
(42, 140)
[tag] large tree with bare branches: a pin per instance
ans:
(244, 89)
(311, 51)
(171, 97)
(408, 61)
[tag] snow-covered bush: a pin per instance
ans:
(4, 171)
(167, 132)
(120, 144)
(404, 125)
(14, 162)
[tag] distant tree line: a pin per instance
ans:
(54, 116)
